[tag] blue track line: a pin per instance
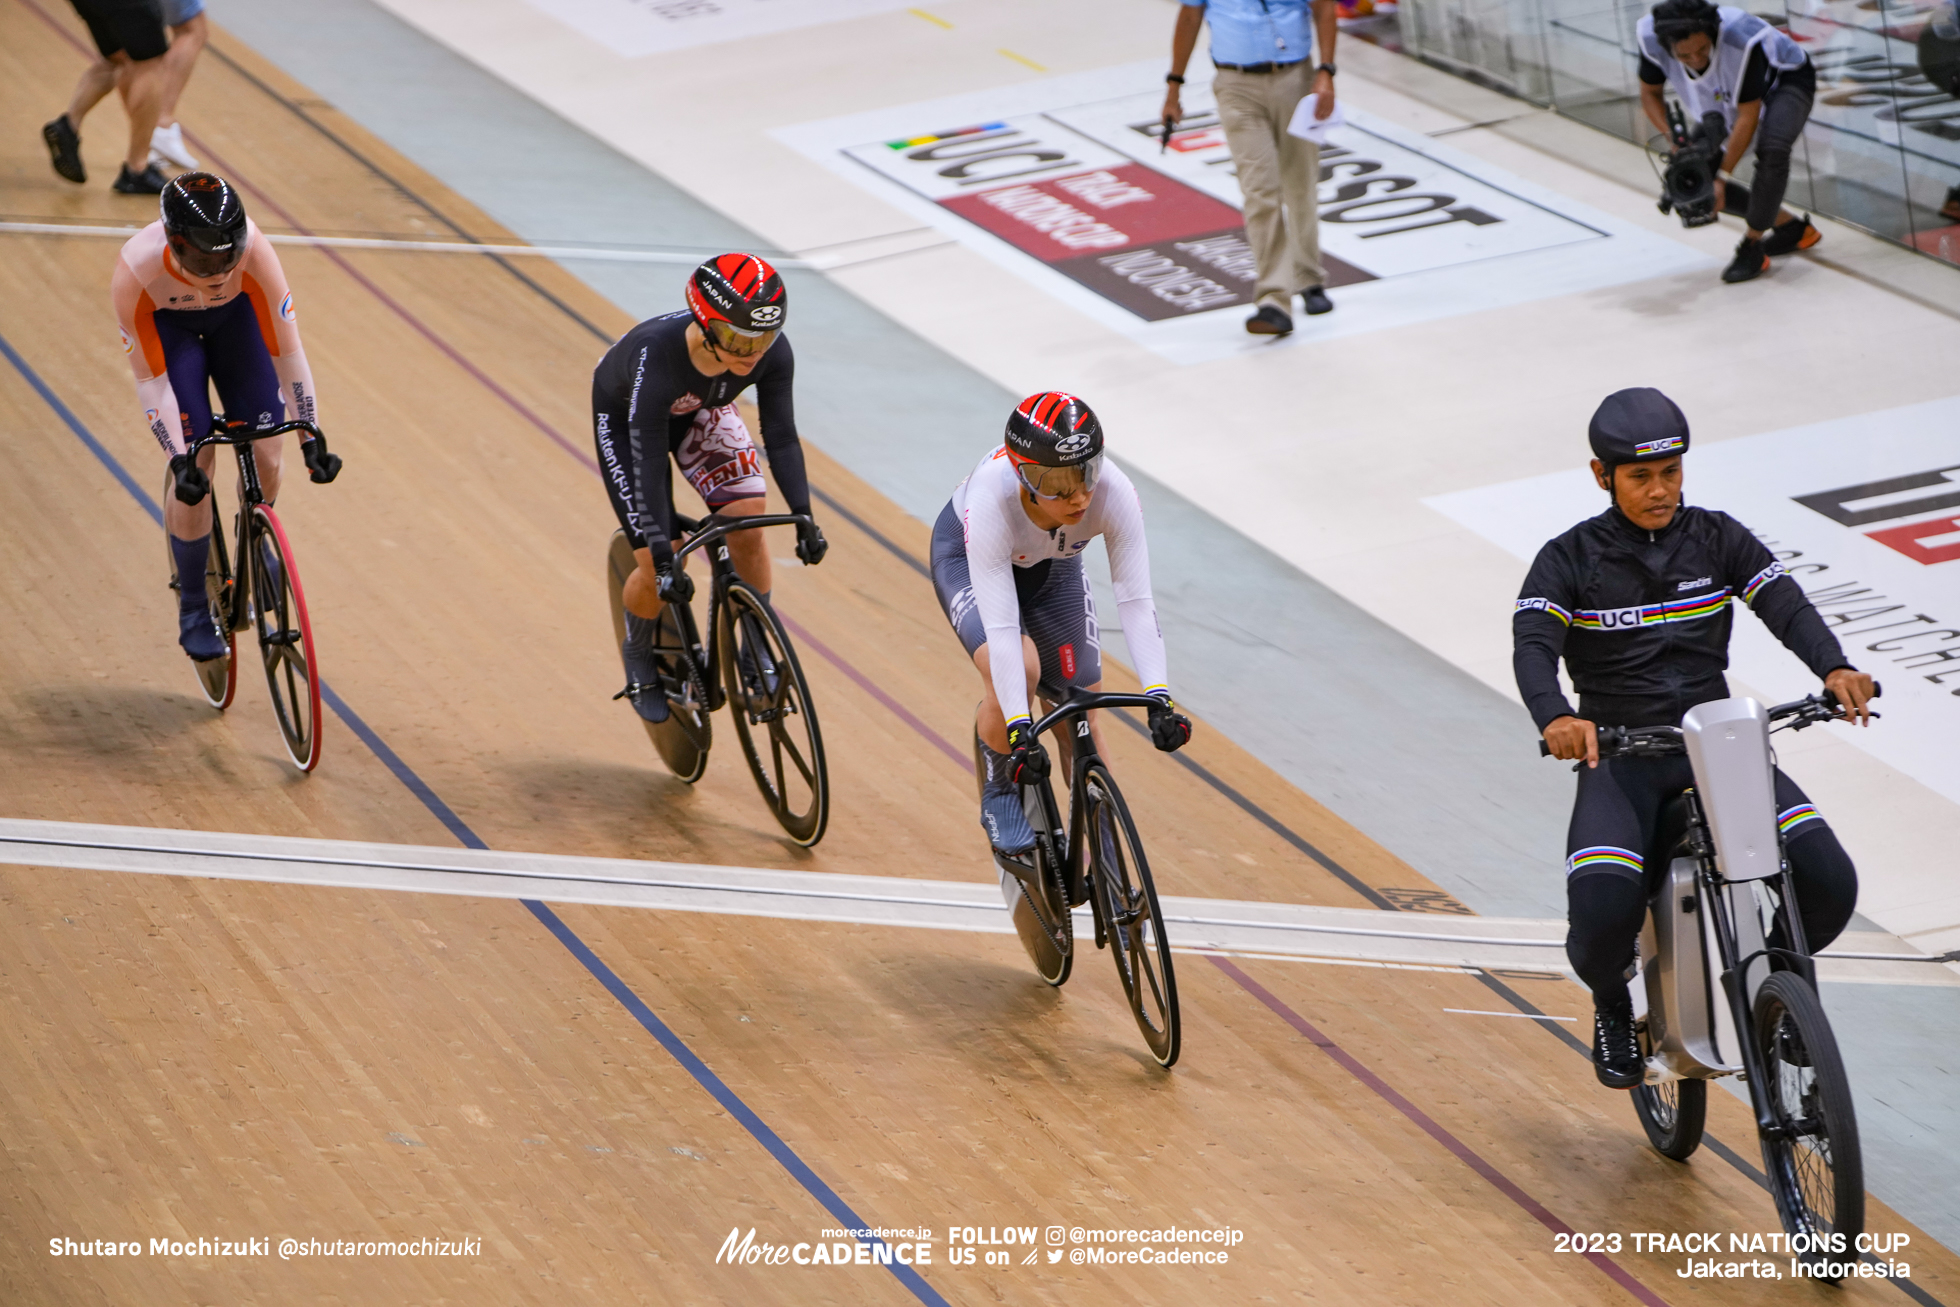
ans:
(705, 1077)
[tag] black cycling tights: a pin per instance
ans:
(1610, 871)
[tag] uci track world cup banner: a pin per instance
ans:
(1077, 189)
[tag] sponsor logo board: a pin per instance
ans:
(1072, 185)
(1864, 513)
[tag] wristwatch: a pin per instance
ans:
(1174, 79)
(1326, 68)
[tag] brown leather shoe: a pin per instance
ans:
(1270, 320)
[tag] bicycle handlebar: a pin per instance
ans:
(1655, 741)
(716, 529)
(221, 435)
(1081, 703)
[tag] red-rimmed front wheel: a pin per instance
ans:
(285, 637)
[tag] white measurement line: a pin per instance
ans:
(1528, 1016)
(600, 254)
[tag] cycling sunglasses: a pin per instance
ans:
(725, 338)
(1045, 482)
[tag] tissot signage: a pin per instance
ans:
(1065, 177)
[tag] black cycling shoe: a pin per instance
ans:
(760, 675)
(1005, 820)
(643, 687)
(198, 634)
(1314, 300)
(1616, 1053)
(150, 181)
(65, 149)
(1750, 262)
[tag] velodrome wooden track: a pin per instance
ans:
(188, 1057)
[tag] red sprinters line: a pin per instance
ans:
(1462, 1151)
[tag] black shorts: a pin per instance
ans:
(132, 27)
(1058, 611)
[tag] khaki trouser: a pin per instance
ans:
(1279, 175)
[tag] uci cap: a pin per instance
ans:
(739, 303)
(1637, 426)
(1056, 444)
(204, 221)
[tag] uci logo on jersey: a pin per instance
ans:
(1619, 618)
(1665, 445)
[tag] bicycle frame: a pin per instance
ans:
(1083, 756)
(1731, 800)
(251, 491)
(710, 535)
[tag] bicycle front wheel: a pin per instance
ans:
(774, 717)
(1815, 1166)
(1126, 899)
(285, 634)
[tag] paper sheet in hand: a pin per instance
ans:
(1307, 127)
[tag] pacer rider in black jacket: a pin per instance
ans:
(1637, 601)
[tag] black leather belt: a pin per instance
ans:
(1258, 68)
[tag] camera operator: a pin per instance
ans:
(1727, 61)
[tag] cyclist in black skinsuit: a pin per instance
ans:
(1637, 600)
(669, 386)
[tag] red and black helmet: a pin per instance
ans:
(739, 302)
(1056, 444)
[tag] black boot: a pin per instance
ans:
(1616, 1053)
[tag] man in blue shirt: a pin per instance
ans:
(1263, 49)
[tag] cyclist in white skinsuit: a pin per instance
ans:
(1007, 566)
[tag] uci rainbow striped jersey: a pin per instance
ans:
(1642, 618)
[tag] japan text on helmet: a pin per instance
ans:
(1055, 443)
(1638, 425)
(1676, 20)
(204, 221)
(739, 302)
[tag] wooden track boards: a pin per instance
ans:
(193, 1058)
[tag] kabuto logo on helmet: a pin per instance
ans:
(766, 315)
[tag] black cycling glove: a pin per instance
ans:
(1170, 730)
(321, 465)
(810, 544)
(1027, 761)
(192, 485)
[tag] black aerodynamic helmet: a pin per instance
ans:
(739, 302)
(1638, 425)
(1675, 20)
(1055, 443)
(204, 221)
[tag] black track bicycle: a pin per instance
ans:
(1096, 858)
(270, 601)
(747, 664)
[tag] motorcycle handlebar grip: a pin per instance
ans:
(1544, 749)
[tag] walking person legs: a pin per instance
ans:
(188, 33)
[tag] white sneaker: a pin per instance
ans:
(168, 143)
